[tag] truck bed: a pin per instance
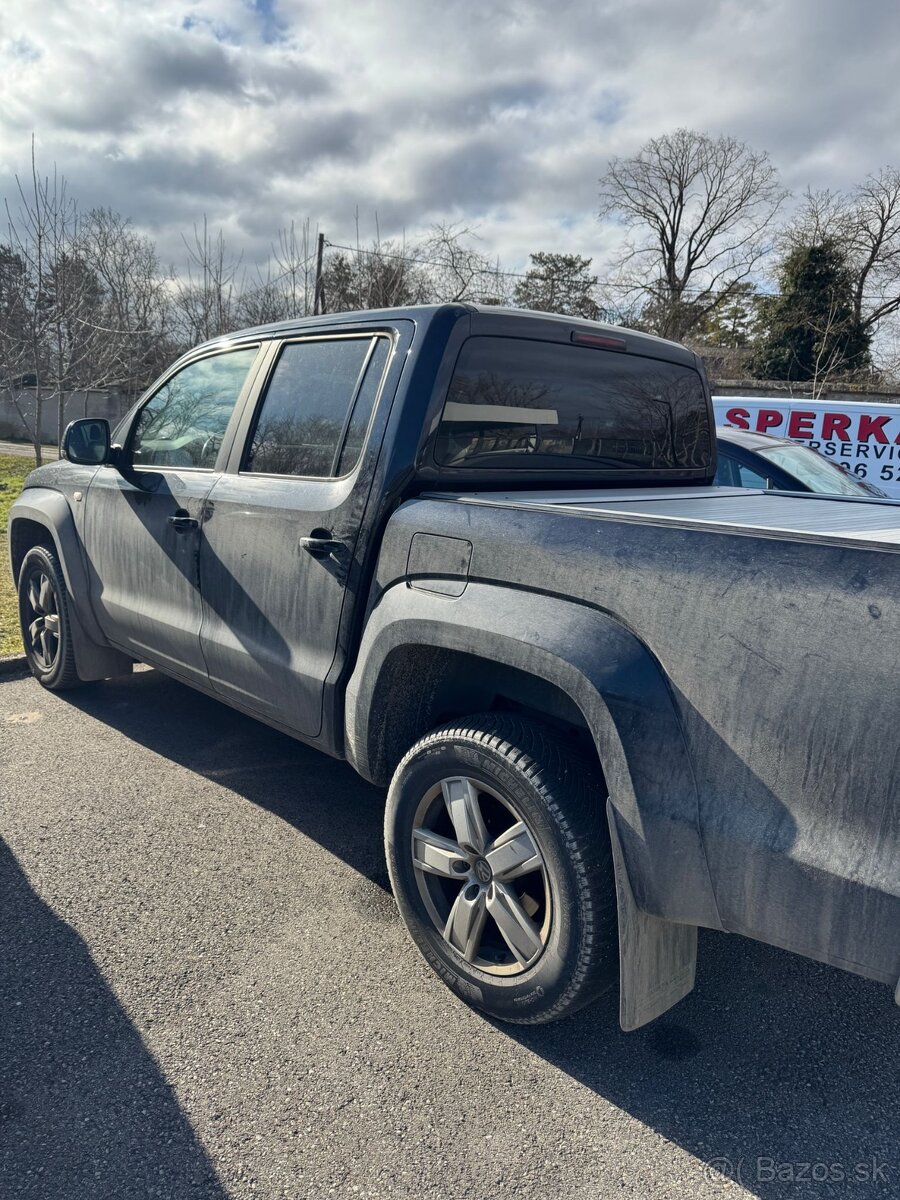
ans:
(774, 618)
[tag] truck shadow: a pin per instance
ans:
(771, 1063)
(84, 1109)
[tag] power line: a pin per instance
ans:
(425, 262)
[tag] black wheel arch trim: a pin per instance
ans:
(614, 681)
(94, 657)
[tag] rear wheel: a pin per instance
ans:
(44, 620)
(501, 866)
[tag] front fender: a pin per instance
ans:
(94, 657)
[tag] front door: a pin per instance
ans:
(142, 522)
(280, 527)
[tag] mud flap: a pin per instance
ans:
(657, 958)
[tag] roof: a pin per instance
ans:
(425, 313)
(747, 439)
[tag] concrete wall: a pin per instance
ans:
(111, 405)
(766, 389)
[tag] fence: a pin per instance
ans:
(111, 405)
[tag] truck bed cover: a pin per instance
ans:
(744, 511)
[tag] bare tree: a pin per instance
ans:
(49, 346)
(383, 275)
(285, 289)
(207, 299)
(866, 223)
(457, 270)
(698, 210)
(137, 322)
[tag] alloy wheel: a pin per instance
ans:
(41, 618)
(481, 876)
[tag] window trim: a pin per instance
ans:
(372, 336)
(247, 388)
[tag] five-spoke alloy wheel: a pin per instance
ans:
(500, 861)
(44, 620)
(481, 876)
(42, 608)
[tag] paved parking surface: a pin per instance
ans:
(205, 991)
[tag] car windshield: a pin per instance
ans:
(816, 472)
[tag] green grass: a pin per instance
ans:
(13, 470)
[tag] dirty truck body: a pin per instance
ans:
(613, 702)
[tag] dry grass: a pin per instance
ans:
(13, 469)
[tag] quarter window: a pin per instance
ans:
(316, 409)
(182, 424)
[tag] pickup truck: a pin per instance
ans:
(480, 555)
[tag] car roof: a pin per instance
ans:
(654, 346)
(747, 439)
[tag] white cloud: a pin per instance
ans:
(501, 113)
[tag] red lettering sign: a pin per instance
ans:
(800, 424)
(768, 418)
(835, 425)
(872, 427)
(739, 417)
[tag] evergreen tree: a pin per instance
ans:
(559, 283)
(811, 331)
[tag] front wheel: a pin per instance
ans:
(44, 619)
(501, 866)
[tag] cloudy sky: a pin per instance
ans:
(498, 113)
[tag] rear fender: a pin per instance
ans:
(622, 694)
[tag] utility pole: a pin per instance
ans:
(318, 293)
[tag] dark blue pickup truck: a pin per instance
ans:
(481, 555)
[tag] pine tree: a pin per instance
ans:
(559, 283)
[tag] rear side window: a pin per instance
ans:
(316, 408)
(514, 403)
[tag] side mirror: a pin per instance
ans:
(87, 442)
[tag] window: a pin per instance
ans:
(816, 472)
(316, 409)
(548, 405)
(182, 424)
(749, 478)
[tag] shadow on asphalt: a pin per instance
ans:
(775, 1067)
(84, 1110)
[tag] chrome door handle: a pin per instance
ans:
(182, 521)
(320, 545)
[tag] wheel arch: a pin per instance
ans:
(426, 657)
(42, 516)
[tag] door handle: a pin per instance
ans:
(320, 544)
(182, 520)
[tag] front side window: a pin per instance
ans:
(732, 473)
(516, 403)
(182, 424)
(317, 405)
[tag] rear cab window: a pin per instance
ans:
(517, 403)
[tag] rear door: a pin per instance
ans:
(281, 525)
(142, 523)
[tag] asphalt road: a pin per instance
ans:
(205, 991)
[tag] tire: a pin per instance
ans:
(527, 839)
(47, 634)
